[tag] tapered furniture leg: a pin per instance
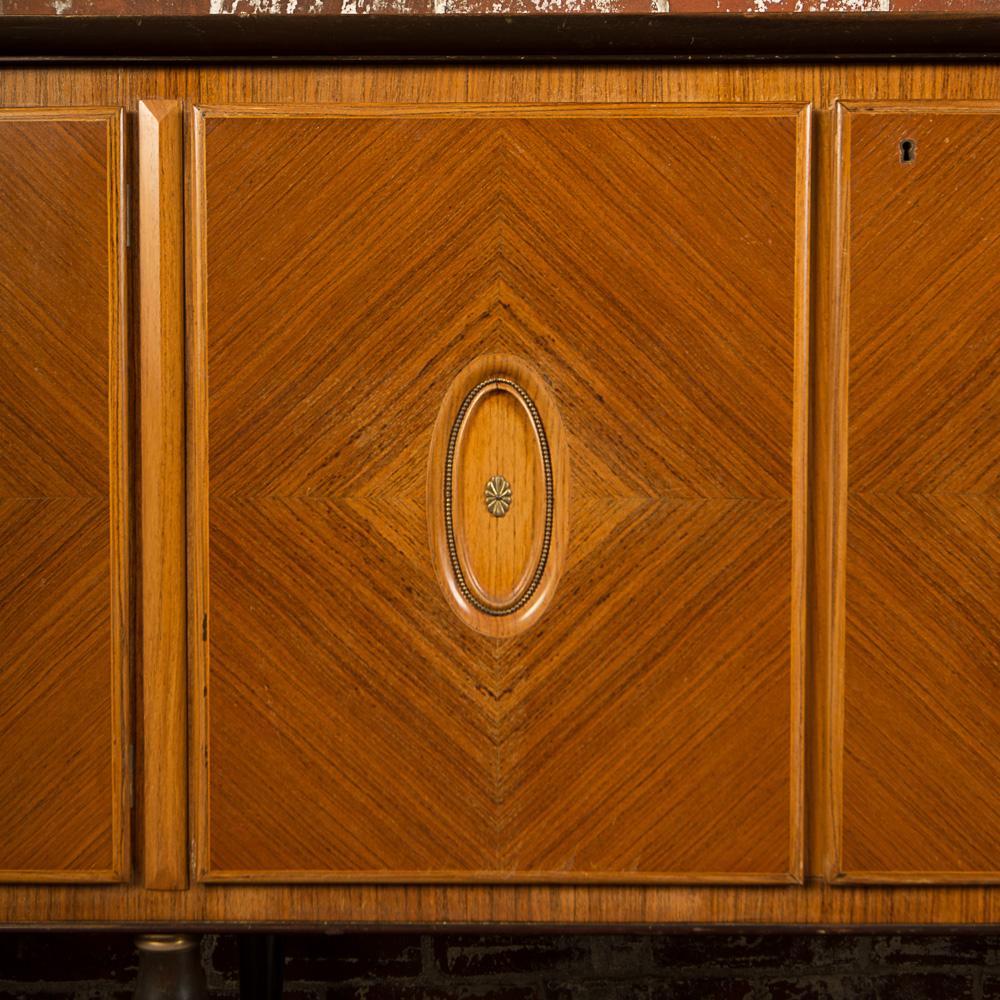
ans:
(170, 968)
(262, 960)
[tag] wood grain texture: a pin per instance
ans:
(918, 693)
(505, 555)
(813, 905)
(499, 532)
(64, 499)
(450, 907)
(164, 584)
(648, 726)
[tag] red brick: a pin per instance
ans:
(775, 6)
(922, 6)
(337, 7)
(138, 7)
(547, 6)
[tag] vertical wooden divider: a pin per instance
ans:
(826, 520)
(164, 667)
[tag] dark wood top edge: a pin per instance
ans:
(536, 37)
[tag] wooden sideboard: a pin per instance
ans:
(500, 494)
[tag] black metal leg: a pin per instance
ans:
(262, 966)
(170, 968)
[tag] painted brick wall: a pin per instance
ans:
(150, 7)
(88, 966)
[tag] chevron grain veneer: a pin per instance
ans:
(920, 685)
(647, 726)
(64, 496)
(726, 335)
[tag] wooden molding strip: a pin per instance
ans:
(164, 674)
(533, 594)
(673, 37)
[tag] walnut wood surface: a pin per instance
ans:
(647, 727)
(164, 584)
(918, 727)
(596, 905)
(64, 495)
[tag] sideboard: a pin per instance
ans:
(482, 492)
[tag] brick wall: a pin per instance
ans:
(336, 7)
(88, 966)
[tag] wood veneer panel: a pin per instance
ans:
(164, 585)
(64, 495)
(348, 262)
(918, 751)
(812, 905)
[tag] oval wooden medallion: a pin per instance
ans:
(497, 495)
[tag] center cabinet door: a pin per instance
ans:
(496, 464)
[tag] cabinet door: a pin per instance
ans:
(64, 563)
(917, 754)
(394, 307)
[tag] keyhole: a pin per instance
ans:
(907, 151)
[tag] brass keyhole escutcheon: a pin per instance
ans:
(498, 496)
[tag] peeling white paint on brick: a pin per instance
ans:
(818, 6)
(503, 7)
(840, 6)
(255, 6)
(529, 6)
